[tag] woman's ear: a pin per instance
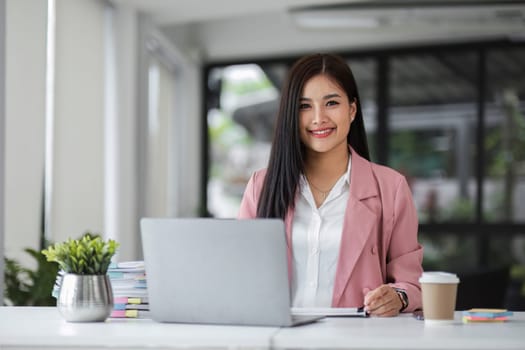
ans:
(353, 111)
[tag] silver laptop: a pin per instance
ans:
(218, 271)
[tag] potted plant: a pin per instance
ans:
(85, 289)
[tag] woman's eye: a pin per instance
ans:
(332, 103)
(304, 106)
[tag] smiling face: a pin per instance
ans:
(325, 116)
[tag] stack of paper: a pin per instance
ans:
(486, 315)
(130, 293)
(128, 307)
(130, 314)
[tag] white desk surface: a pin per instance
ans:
(403, 332)
(43, 327)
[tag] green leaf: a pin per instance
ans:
(87, 255)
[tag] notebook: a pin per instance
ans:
(218, 271)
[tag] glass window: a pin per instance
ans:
(240, 128)
(364, 71)
(432, 119)
(504, 184)
(448, 251)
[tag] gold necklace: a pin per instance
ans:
(323, 193)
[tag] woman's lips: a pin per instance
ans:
(321, 133)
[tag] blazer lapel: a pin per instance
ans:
(359, 222)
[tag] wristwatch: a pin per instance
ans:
(403, 297)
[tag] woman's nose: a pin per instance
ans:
(318, 115)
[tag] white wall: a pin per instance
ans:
(133, 54)
(185, 136)
(189, 136)
(187, 127)
(85, 85)
(77, 199)
(88, 195)
(25, 116)
(121, 181)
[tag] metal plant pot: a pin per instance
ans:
(85, 298)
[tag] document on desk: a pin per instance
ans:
(330, 311)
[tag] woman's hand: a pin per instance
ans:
(383, 301)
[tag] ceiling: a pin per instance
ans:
(229, 30)
(173, 12)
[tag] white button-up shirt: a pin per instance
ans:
(316, 240)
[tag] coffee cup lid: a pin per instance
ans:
(438, 277)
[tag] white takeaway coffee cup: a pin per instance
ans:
(439, 290)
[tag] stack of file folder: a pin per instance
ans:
(486, 315)
(130, 293)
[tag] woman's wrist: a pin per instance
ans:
(402, 294)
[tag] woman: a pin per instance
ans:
(351, 224)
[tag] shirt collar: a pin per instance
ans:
(347, 174)
(303, 183)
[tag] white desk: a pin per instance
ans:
(41, 327)
(44, 328)
(403, 332)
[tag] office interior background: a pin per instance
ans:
(115, 110)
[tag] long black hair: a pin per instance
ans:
(286, 162)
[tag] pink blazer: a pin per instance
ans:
(379, 242)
